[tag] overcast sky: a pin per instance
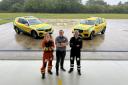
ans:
(112, 2)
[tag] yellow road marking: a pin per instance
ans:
(59, 82)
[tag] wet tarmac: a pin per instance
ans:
(115, 38)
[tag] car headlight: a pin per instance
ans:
(80, 31)
(47, 30)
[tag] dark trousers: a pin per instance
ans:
(60, 56)
(75, 54)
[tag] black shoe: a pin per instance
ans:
(57, 73)
(50, 72)
(63, 69)
(43, 75)
(79, 72)
(71, 70)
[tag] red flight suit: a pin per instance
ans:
(47, 55)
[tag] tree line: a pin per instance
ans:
(62, 6)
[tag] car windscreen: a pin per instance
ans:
(88, 22)
(34, 21)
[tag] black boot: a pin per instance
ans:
(57, 73)
(71, 70)
(63, 69)
(50, 72)
(79, 72)
(43, 75)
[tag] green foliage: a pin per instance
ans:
(95, 2)
(61, 6)
(17, 7)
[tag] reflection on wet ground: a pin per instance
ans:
(115, 39)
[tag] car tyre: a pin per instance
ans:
(34, 34)
(91, 36)
(17, 30)
(103, 31)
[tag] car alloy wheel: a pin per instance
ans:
(34, 34)
(103, 31)
(17, 30)
(91, 36)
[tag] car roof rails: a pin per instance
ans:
(29, 17)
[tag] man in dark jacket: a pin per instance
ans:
(76, 45)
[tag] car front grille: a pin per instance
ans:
(47, 30)
(86, 35)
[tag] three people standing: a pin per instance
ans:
(61, 42)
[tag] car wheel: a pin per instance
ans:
(17, 30)
(103, 31)
(34, 34)
(91, 36)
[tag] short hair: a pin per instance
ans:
(76, 31)
(61, 31)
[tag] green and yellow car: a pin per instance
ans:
(90, 27)
(31, 25)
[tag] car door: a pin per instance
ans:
(101, 24)
(97, 26)
(26, 26)
(23, 24)
(19, 24)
